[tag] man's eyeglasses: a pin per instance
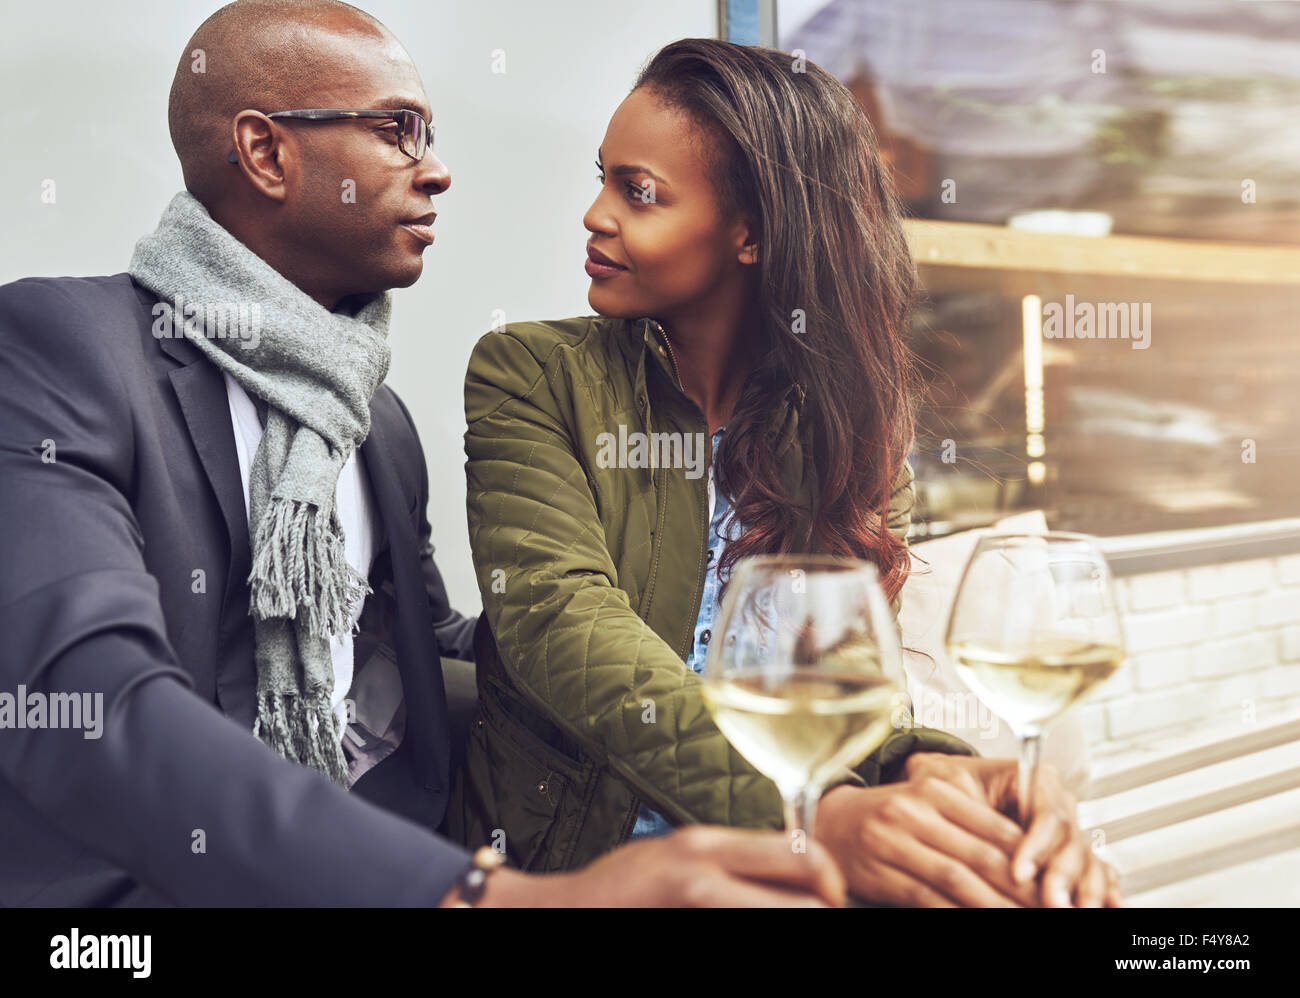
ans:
(414, 134)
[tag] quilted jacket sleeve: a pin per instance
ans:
(566, 633)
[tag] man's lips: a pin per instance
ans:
(424, 233)
(422, 227)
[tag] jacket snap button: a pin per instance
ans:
(704, 636)
(541, 787)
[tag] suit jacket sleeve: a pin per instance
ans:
(80, 614)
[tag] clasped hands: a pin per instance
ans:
(943, 836)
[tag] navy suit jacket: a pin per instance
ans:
(124, 555)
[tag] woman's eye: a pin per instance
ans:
(631, 190)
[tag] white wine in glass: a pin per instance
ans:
(1034, 630)
(804, 676)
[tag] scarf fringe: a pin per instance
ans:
(301, 564)
(303, 729)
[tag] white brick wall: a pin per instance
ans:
(1288, 570)
(1207, 646)
(1289, 643)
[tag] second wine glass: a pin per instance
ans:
(1034, 629)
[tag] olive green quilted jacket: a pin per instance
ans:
(591, 578)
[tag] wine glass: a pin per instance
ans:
(805, 675)
(1033, 630)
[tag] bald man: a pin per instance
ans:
(221, 680)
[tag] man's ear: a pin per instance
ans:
(259, 153)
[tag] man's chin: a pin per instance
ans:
(405, 276)
(398, 277)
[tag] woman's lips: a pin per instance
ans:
(600, 270)
(424, 233)
(599, 266)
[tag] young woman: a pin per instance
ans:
(744, 389)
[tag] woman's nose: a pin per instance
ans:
(597, 219)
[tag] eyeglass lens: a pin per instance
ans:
(415, 136)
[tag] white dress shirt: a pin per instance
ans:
(356, 513)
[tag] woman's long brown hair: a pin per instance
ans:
(795, 154)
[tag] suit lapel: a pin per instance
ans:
(417, 648)
(202, 394)
(201, 391)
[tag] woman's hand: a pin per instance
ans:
(923, 842)
(1054, 850)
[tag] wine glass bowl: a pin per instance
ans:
(1034, 630)
(805, 676)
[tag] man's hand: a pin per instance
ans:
(700, 866)
(922, 842)
(1053, 850)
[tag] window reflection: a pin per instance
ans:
(1153, 118)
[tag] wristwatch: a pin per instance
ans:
(472, 882)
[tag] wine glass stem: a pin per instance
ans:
(1029, 752)
(800, 810)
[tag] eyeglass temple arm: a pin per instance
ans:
(428, 128)
(311, 115)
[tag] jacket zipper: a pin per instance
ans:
(629, 821)
(672, 358)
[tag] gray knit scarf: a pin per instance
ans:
(316, 372)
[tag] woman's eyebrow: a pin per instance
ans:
(625, 169)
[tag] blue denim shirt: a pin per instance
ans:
(649, 822)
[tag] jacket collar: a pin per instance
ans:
(648, 343)
(655, 346)
(652, 339)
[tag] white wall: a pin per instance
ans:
(1211, 648)
(520, 147)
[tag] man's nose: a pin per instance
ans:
(432, 175)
